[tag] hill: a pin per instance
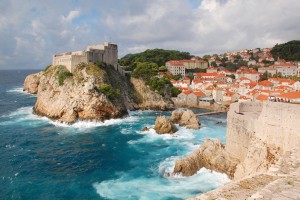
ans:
(289, 51)
(158, 56)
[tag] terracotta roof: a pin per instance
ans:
(265, 83)
(187, 92)
(290, 95)
(262, 97)
(199, 93)
(282, 80)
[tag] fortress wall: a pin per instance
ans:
(240, 129)
(279, 125)
(250, 107)
(65, 60)
(76, 59)
(257, 138)
(275, 123)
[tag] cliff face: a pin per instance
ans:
(91, 92)
(148, 99)
(263, 143)
(258, 134)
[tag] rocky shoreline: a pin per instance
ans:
(91, 92)
(261, 154)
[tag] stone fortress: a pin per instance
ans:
(106, 53)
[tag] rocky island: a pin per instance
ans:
(185, 118)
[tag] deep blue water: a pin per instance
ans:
(41, 159)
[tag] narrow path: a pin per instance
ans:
(210, 113)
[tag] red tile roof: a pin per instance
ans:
(291, 95)
(262, 97)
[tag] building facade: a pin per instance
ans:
(106, 53)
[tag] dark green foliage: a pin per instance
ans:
(175, 77)
(163, 69)
(265, 76)
(158, 56)
(289, 51)
(231, 66)
(108, 91)
(231, 76)
(214, 64)
(175, 91)
(145, 71)
(242, 63)
(62, 76)
(163, 86)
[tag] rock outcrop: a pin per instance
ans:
(148, 99)
(164, 125)
(211, 155)
(185, 118)
(31, 83)
(262, 141)
(68, 97)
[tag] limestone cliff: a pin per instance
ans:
(257, 135)
(260, 139)
(91, 92)
(149, 99)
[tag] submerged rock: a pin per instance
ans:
(185, 118)
(210, 155)
(145, 129)
(164, 125)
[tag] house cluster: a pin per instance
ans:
(179, 66)
(219, 86)
(215, 89)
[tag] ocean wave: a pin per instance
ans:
(19, 90)
(182, 134)
(92, 123)
(25, 114)
(128, 187)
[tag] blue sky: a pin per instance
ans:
(32, 30)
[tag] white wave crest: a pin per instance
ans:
(127, 187)
(25, 114)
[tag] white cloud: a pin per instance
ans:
(30, 33)
(72, 15)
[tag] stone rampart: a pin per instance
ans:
(258, 133)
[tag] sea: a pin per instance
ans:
(44, 159)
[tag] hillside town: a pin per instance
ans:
(249, 75)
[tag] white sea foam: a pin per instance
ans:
(127, 187)
(26, 114)
(92, 124)
(19, 90)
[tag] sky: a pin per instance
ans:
(32, 30)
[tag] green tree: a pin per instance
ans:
(145, 70)
(289, 51)
(163, 69)
(158, 56)
(214, 64)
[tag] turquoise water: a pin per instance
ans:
(42, 159)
